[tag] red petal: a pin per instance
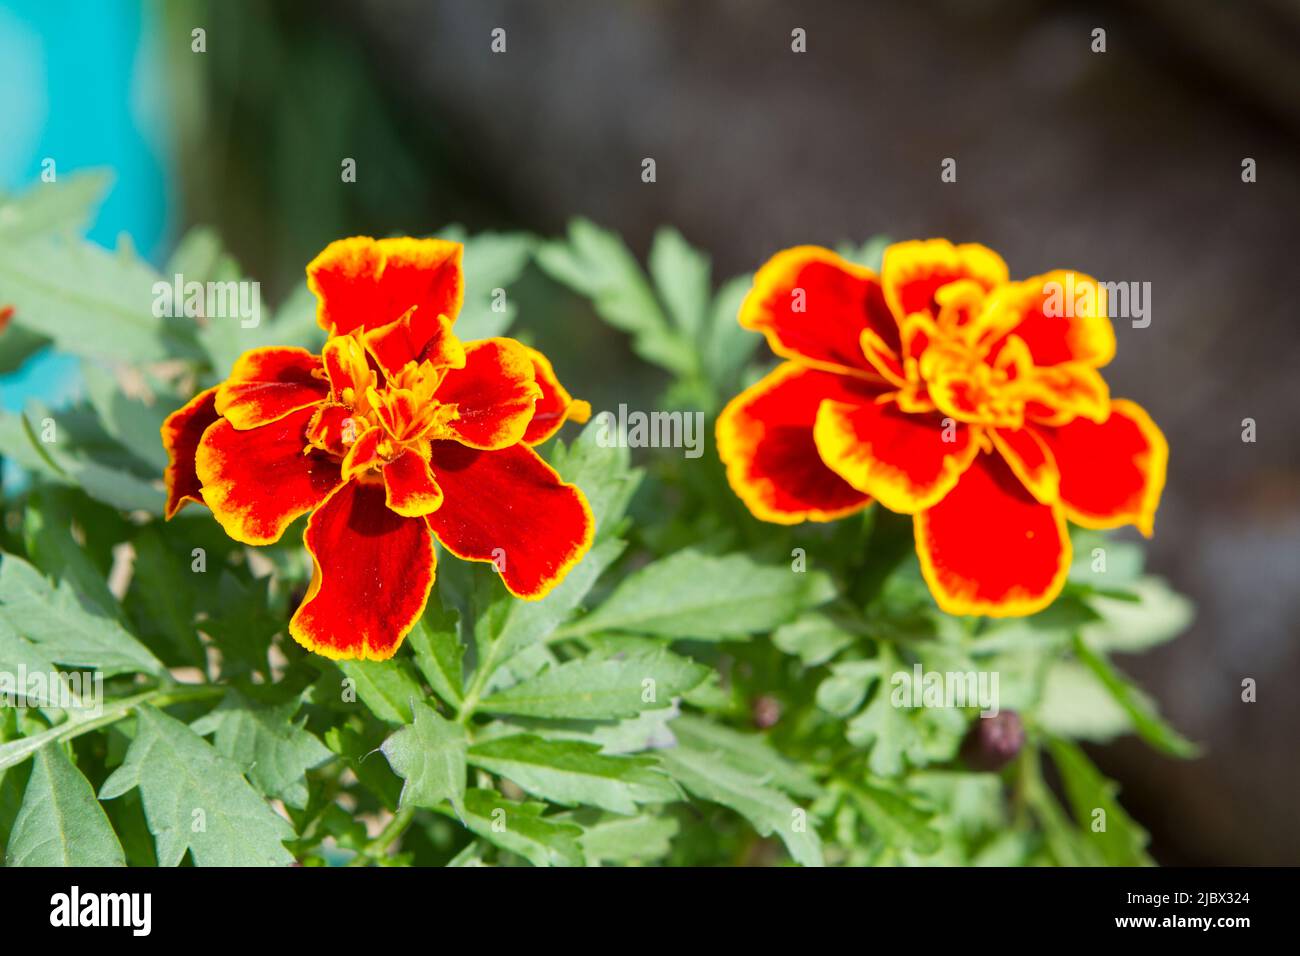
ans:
(181, 433)
(906, 462)
(813, 306)
(1030, 459)
(268, 383)
(494, 393)
(363, 283)
(765, 438)
(418, 336)
(511, 508)
(258, 481)
(555, 407)
(990, 548)
(410, 487)
(364, 454)
(1056, 329)
(373, 572)
(1113, 473)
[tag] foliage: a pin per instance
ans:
(701, 689)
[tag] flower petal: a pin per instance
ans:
(765, 438)
(373, 570)
(418, 336)
(363, 283)
(509, 507)
(1061, 316)
(494, 393)
(410, 487)
(556, 405)
(813, 306)
(1030, 459)
(268, 383)
(1058, 393)
(912, 273)
(348, 368)
(257, 481)
(1111, 473)
(181, 433)
(990, 548)
(906, 462)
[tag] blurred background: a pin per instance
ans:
(1124, 164)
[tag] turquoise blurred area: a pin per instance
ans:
(80, 84)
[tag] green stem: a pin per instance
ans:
(378, 848)
(16, 751)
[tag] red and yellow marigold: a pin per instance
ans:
(396, 430)
(945, 391)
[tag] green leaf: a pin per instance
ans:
(50, 514)
(749, 753)
(767, 809)
(1076, 704)
(386, 687)
(588, 689)
(521, 829)
(162, 594)
(681, 276)
(435, 641)
(196, 799)
(1112, 834)
(728, 345)
(897, 819)
(605, 475)
(1148, 723)
(66, 632)
(65, 205)
(274, 751)
(429, 754)
(706, 597)
(60, 822)
(595, 263)
(573, 773)
(1158, 615)
(643, 838)
(108, 311)
(813, 638)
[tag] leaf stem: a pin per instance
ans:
(16, 751)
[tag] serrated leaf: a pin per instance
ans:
(643, 838)
(66, 632)
(596, 263)
(1120, 842)
(521, 829)
(897, 819)
(196, 799)
(573, 773)
(161, 597)
(429, 754)
(599, 689)
(749, 753)
(386, 687)
(1076, 704)
(767, 809)
(108, 311)
(681, 277)
(1158, 614)
(706, 597)
(65, 205)
(274, 751)
(1148, 723)
(603, 472)
(814, 638)
(60, 822)
(435, 641)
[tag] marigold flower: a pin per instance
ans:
(395, 430)
(945, 391)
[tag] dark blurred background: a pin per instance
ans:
(1124, 164)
